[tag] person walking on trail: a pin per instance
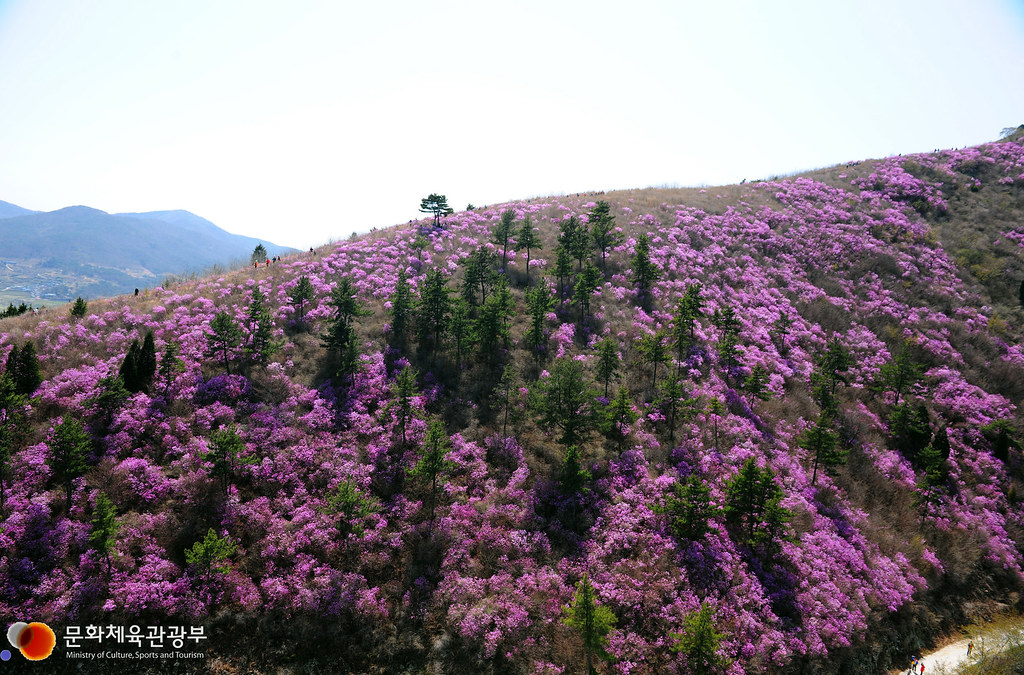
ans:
(970, 648)
(913, 666)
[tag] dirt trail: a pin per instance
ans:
(946, 660)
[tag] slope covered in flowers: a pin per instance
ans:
(875, 556)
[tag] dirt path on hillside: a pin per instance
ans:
(945, 661)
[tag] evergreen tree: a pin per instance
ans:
(563, 401)
(146, 369)
(434, 461)
(226, 456)
(340, 338)
(104, 527)
(607, 361)
(699, 642)
(753, 507)
(504, 394)
(479, 275)
(587, 282)
(299, 296)
(129, 370)
(602, 230)
(13, 428)
(112, 396)
(492, 327)
(435, 309)
(675, 403)
(404, 389)
(652, 350)
(79, 309)
(503, 232)
(26, 370)
(210, 555)
(618, 416)
(170, 366)
(689, 508)
(539, 302)
(460, 329)
(834, 363)
(224, 339)
(260, 346)
(576, 240)
(717, 410)
(401, 310)
(909, 430)
(645, 272)
(689, 308)
(593, 621)
(756, 384)
(69, 447)
(563, 266)
(779, 331)
(527, 238)
(437, 205)
(352, 507)
(899, 374)
(259, 254)
(822, 442)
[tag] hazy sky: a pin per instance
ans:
(304, 121)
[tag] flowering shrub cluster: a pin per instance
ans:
(312, 478)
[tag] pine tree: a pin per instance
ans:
(539, 303)
(689, 308)
(602, 230)
(104, 527)
(147, 361)
(753, 507)
(899, 374)
(618, 416)
(822, 442)
(503, 232)
(576, 240)
(170, 366)
(259, 254)
(224, 339)
(401, 310)
(504, 394)
(645, 272)
(352, 507)
(834, 363)
(434, 461)
(460, 330)
(699, 642)
(689, 509)
(404, 388)
(593, 621)
(129, 370)
(717, 410)
(79, 309)
(226, 456)
(909, 430)
(210, 555)
(564, 401)
(479, 275)
(527, 238)
(260, 346)
(69, 447)
(652, 350)
(434, 310)
(437, 205)
(110, 399)
(563, 266)
(607, 361)
(587, 282)
(492, 327)
(756, 384)
(673, 402)
(340, 338)
(14, 427)
(27, 370)
(299, 296)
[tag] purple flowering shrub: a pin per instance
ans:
(327, 519)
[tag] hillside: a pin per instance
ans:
(796, 417)
(80, 251)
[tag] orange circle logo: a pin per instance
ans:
(35, 640)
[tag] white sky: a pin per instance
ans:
(304, 121)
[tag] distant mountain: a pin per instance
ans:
(8, 210)
(83, 251)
